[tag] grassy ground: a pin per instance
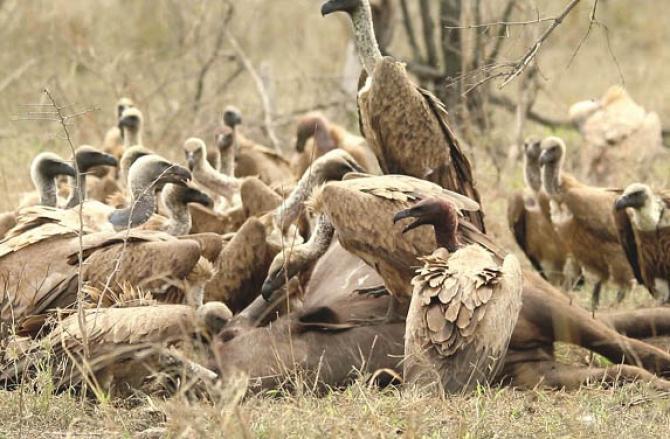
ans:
(630, 411)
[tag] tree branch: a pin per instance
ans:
(509, 105)
(409, 30)
(428, 33)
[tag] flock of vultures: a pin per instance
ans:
(363, 255)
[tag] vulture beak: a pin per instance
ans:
(410, 213)
(331, 6)
(300, 144)
(634, 200)
(176, 175)
(272, 283)
(129, 122)
(62, 168)
(198, 197)
(108, 160)
(190, 159)
(355, 167)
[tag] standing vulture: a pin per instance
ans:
(113, 143)
(528, 215)
(464, 306)
(582, 217)
(405, 126)
(316, 135)
(644, 233)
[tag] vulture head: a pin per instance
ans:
(88, 157)
(443, 214)
(553, 151)
(333, 166)
(531, 154)
(44, 169)
(314, 125)
(155, 171)
(232, 116)
(131, 119)
(130, 156)
(121, 106)
(636, 196)
(213, 316)
(181, 195)
(224, 138)
(195, 151)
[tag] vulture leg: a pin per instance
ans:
(639, 323)
(555, 375)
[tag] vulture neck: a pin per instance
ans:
(364, 35)
(141, 208)
(78, 190)
(221, 184)
(48, 192)
(289, 211)
(446, 237)
(131, 137)
(180, 219)
(648, 217)
(320, 240)
(533, 175)
(552, 178)
(227, 158)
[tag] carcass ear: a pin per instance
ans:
(320, 318)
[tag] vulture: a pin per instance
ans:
(251, 159)
(42, 274)
(87, 158)
(126, 345)
(528, 215)
(131, 124)
(111, 190)
(582, 217)
(644, 233)
(405, 126)
(465, 304)
(205, 175)
(113, 142)
(355, 208)
(44, 170)
(316, 135)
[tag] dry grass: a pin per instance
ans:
(154, 50)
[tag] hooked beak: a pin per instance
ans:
(409, 213)
(190, 160)
(271, 284)
(108, 160)
(300, 144)
(177, 175)
(63, 168)
(201, 198)
(625, 201)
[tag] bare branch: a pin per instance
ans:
(502, 31)
(428, 32)
(260, 88)
(530, 55)
(509, 105)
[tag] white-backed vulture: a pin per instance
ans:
(528, 216)
(582, 217)
(42, 275)
(131, 124)
(405, 126)
(87, 159)
(44, 170)
(644, 233)
(113, 142)
(621, 138)
(114, 191)
(176, 199)
(465, 304)
(205, 175)
(125, 346)
(316, 135)
(251, 159)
